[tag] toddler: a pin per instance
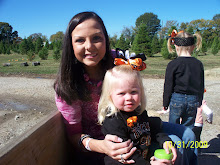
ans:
(121, 112)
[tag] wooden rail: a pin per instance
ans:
(44, 144)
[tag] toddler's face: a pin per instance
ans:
(126, 95)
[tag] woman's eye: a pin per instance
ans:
(97, 38)
(80, 40)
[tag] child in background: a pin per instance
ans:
(184, 79)
(197, 129)
(121, 112)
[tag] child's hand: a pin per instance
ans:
(168, 145)
(165, 108)
(153, 161)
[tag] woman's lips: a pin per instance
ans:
(90, 55)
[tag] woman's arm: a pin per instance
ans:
(111, 146)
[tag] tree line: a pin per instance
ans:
(148, 36)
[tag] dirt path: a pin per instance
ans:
(26, 101)
(23, 103)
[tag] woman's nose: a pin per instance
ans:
(88, 45)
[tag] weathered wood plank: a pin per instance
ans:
(43, 144)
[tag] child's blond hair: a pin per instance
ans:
(183, 34)
(112, 77)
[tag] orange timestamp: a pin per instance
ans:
(189, 144)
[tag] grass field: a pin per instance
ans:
(49, 66)
(156, 65)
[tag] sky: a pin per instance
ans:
(50, 16)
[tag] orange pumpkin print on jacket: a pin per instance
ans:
(131, 121)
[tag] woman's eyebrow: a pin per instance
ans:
(81, 36)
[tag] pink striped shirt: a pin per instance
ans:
(82, 116)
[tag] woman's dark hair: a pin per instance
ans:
(70, 84)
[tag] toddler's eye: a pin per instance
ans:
(134, 92)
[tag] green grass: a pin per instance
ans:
(49, 66)
(156, 65)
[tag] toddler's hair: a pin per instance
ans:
(112, 77)
(183, 34)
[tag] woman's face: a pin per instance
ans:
(89, 43)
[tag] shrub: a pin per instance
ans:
(43, 53)
(165, 53)
(56, 53)
(30, 55)
(214, 48)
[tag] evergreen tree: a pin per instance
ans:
(38, 45)
(1, 47)
(30, 55)
(4, 50)
(47, 44)
(155, 45)
(165, 53)
(56, 53)
(218, 45)
(15, 48)
(43, 54)
(24, 46)
(8, 50)
(214, 48)
(151, 22)
(30, 44)
(121, 43)
(58, 44)
(142, 41)
(204, 47)
(161, 43)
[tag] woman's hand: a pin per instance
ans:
(153, 161)
(118, 150)
(168, 145)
